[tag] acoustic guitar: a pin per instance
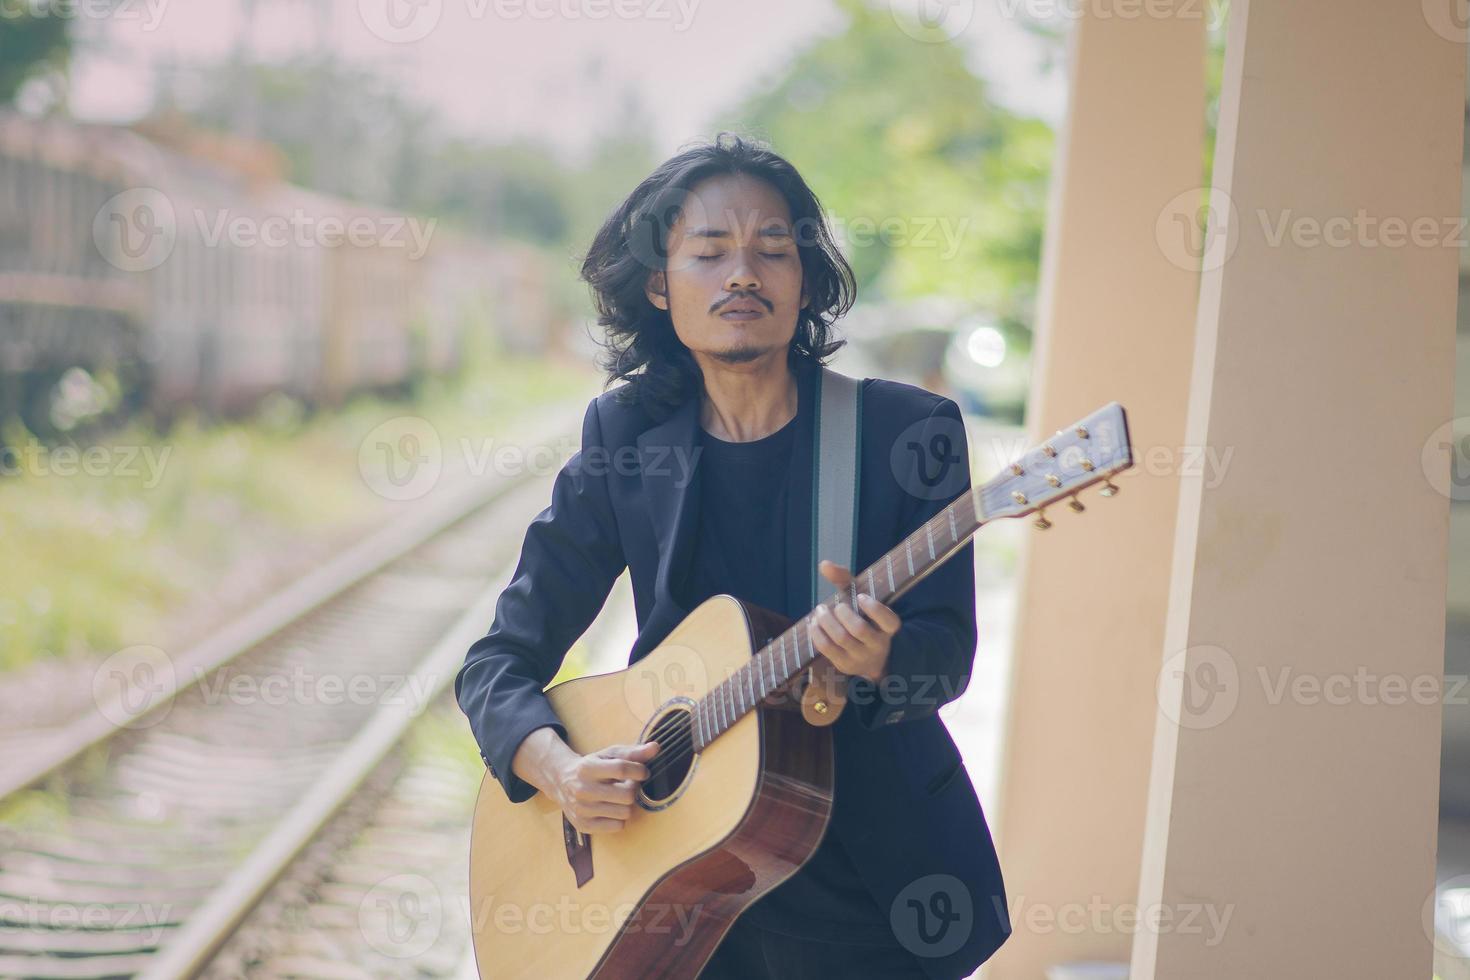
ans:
(740, 791)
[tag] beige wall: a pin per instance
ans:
(1309, 818)
(1116, 322)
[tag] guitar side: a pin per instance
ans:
(655, 898)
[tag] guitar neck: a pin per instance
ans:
(1087, 452)
(790, 653)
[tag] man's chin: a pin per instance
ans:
(743, 354)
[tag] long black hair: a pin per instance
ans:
(641, 346)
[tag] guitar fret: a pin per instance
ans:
(724, 704)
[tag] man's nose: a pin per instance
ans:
(742, 278)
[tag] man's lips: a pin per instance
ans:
(751, 314)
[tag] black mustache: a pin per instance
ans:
(770, 307)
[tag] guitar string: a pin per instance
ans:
(681, 744)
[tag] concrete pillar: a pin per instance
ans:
(1292, 805)
(1116, 321)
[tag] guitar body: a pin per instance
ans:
(712, 836)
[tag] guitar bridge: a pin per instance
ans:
(579, 851)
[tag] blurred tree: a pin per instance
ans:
(32, 46)
(344, 130)
(938, 190)
(1216, 15)
(352, 132)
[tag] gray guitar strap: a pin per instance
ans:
(838, 433)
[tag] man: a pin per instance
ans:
(717, 282)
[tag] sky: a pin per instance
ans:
(550, 70)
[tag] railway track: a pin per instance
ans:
(253, 764)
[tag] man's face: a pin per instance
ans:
(733, 285)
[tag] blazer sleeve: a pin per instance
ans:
(570, 558)
(932, 655)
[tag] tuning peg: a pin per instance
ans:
(1109, 489)
(1041, 522)
(1076, 505)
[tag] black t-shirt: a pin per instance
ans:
(740, 550)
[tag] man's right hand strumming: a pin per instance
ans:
(595, 791)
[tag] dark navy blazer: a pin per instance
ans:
(903, 806)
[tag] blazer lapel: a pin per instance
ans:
(670, 479)
(670, 476)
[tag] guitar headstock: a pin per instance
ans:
(1089, 451)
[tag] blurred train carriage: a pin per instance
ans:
(63, 302)
(183, 266)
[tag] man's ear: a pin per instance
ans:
(657, 290)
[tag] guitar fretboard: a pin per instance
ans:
(790, 653)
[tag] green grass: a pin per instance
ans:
(99, 561)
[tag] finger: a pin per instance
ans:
(843, 661)
(642, 752)
(824, 629)
(597, 825)
(836, 628)
(620, 791)
(882, 616)
(859, 628)
(605, 808)
(599, 769)
(837, 574)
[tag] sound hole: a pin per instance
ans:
(668, 770)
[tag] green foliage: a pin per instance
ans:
(939, 190)
(1214, 75)
(30, 44)
(110, 554)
